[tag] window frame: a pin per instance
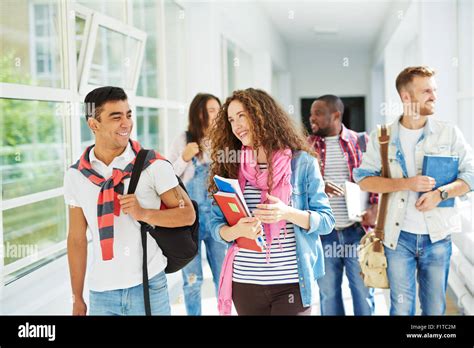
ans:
(100, 20)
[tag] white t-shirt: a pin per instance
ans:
(414, 219)
(125, 269)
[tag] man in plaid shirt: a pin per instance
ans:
(340, 151)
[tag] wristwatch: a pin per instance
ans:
(443, 194)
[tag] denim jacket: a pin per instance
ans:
(438, 138)
(308, 194)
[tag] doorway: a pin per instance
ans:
(353, 117)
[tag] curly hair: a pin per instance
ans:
(271, 129)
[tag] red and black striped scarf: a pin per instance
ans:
(108, 204)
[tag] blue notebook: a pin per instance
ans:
(444, 169)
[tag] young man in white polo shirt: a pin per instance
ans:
(94, 189)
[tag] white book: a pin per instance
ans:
(231, 186)
(357, 201)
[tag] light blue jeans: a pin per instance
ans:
(215, 251)
(192, 273)
(416, 256)
(130, 301)
(340, 251)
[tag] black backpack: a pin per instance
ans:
(179, 244)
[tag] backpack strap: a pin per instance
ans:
(362, 142)
(137, 170)
(189, 137)
(384, 138)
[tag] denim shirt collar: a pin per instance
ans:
(428, 129)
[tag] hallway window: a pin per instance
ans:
(145, 14)
(30, 43)
(32, 147)
(148, 129)
(237, 67)
(113, 56)
(175, 51)
(26, 243)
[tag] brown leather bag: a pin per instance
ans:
(372, 260)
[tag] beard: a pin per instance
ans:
(426, 110)
(322, 132)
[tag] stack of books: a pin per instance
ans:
(230, 200)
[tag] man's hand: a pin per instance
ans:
(421, 183)
(369, 216)
(191, 150)
(130, 205)
(332, 189)
(428, 201)
(79, 307)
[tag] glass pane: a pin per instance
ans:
(114, 59)
(46, 226)
(31, 147)
(149, 136)
(174, 42)
(177, 123)
(145, 13)
(80, 26)
(30, 43)
(111, 8)
(87, 137)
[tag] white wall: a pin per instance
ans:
(439, 53)
(243, 23)
(420, 34)
(317, 71)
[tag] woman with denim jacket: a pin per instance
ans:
(190, 157)
(253, 140)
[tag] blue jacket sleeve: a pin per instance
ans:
(216, 223)
(371, 164)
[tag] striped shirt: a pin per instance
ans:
(349, 142)
(337, 172)
(251, 267)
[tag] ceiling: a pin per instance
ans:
(342, 23)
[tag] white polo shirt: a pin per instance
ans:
(125, 269)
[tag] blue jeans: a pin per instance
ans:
(192, 273)
(130, 301)
(416, 255)
(340, 250)
(215, 251)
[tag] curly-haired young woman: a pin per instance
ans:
(283, 189)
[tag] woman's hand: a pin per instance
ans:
(191, 150)
(271, 213)
(248, 227)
